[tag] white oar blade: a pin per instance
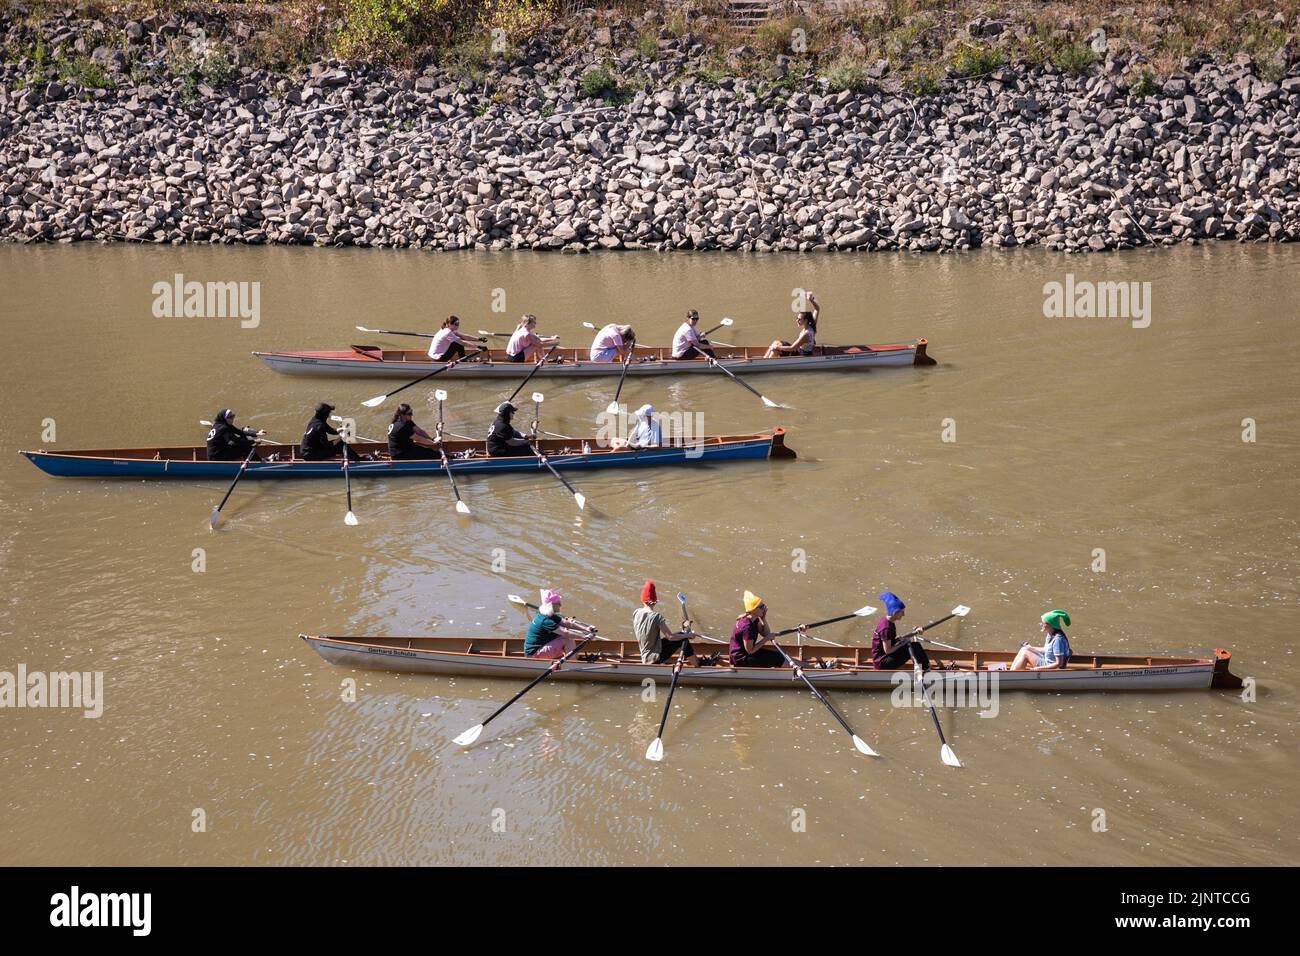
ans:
(462, 507)
(863, 747)
(213, 518)
(769, 403)
(350, 520)
(469, 736)
(655, 751)
(484, 332)
(375, 402)
(866, 611)
(362, 328)
(948, 757)
(581, 499)
(727, 322)
(961, 610)
(587, 325)
(612, 408)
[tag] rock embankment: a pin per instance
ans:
(356, 156)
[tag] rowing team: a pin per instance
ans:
(321, 441)
(613, 342)
(551, 636)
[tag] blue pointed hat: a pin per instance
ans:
(893, 603)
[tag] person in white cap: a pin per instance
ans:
(646, 432)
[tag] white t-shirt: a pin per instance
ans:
(686, 336)
(607, 338)
(521, 340)
(647, 434)
(441, 342)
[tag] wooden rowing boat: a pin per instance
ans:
(467, 457)
(370, 361)
(620, 662)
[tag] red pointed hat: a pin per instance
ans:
(648, 594)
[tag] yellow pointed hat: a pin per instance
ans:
(752, 600)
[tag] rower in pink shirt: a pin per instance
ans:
(613, 343)
(526, 345)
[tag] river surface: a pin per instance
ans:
(1071, 435)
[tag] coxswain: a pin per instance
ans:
(613, 343)
(525, 344)
(888, 650)
(503, 440)
(805, 342)
(645, 433)
(1055, 652)
(321, 441)
(657, 640)
(407, 440)
(750, 634)
(229, 442)
(448, 343)
(687, 342)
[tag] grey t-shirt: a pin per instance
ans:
(647, 624)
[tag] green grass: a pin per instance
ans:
(84, 72)
(1142, 82)
(972, 59)
(922, 81)
(847, 73)
(598, 82)
(1074, 58)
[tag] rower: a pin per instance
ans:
(888, 650)
(550, 635)
(687, 342)
(657, 640)
(503, 440)
(407, 440)
(613, 343)
(805, 342)
(750, 634)
(448, 343)
(229, 442)
(525, 344)
(321, 440)
(1055, 652)
(646, 433)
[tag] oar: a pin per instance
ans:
(946, 753)
(612, 407)
(866, 611)
(380, 399)
(858, 742)
(655, 751)
(721, 325)
(578, 496)
(216, 512)
(265, 439)
(418, 335)
(741, 382)
(349, 518)
(524, 607)
(461, 507)
(499, 335)
(536, 365)
(961, 610)
(471, 735)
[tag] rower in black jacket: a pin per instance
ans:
(321, 440)
(503, 440)
(229, 442)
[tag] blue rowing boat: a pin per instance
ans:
(468, 458)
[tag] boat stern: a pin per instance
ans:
(779, 448)
(1223, 678)
(922, 357)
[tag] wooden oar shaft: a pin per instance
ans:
(925, 693)
(540, 677)
(809, 627)
(623, 375)
(423, 378)
(663, 721)
(545, 461)
(418, 335)
(239, 474)
(798, 669)
(536, 365)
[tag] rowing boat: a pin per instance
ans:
(370, 361)
(836, 667)
(467, 457)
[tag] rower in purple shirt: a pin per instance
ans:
(888, 650)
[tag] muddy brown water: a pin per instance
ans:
(1072, 434)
